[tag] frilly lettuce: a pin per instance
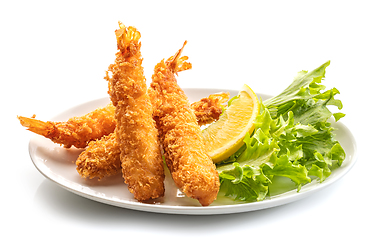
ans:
(292, 138)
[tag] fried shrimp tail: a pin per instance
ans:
(77, 131)
(208, 109)
(136, 135)
(191, 168)
(177, 63)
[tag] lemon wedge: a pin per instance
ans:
(225, 136)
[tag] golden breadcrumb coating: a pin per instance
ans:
(99, 162)
(192, 169)
(80, 131)
(102, 157)
(77, 131)
(141, 160)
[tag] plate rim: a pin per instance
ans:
(277, 200)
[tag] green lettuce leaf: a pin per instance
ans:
(249, 177)
(293, 138)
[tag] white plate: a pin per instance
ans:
(58, 165)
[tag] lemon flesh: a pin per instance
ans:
(225, 136)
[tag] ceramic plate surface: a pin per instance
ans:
(58, 165)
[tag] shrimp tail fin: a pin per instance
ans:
(128, 39)
(177, 63)
(39, 127)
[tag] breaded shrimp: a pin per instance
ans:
(191, 168)
(80, 131)
(141, 161)
(102, 157)
(77, 131)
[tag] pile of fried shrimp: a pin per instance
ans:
(141, 126)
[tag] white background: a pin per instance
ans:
(53, 56)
